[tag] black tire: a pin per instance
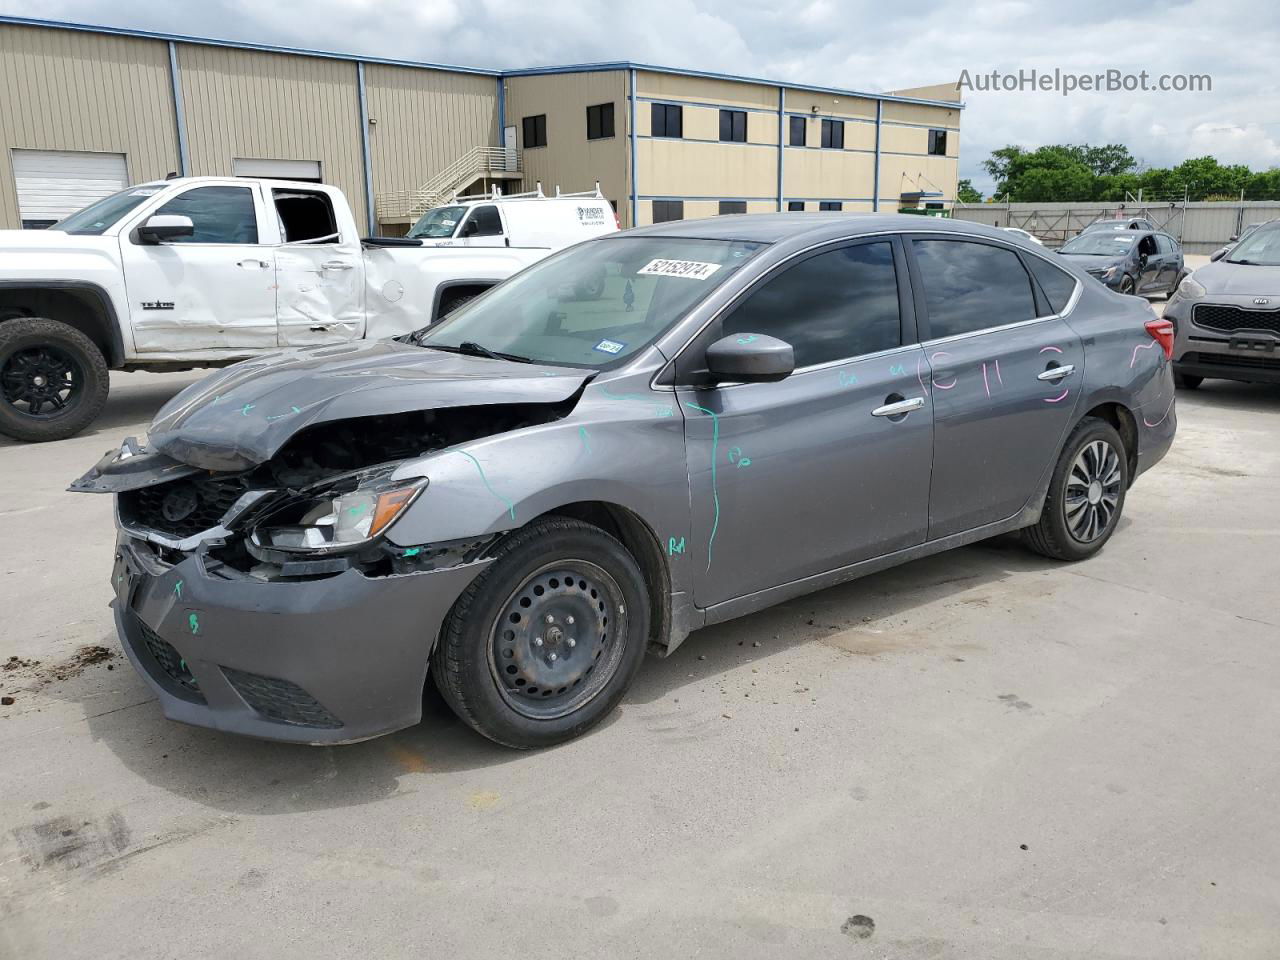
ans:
(1187, 381)
(453, 303)
(480, 635)
(1127, 286)
(36, 353)
(1057, 534)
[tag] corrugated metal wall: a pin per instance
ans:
(63, 90)
(273, 106)
(425, 120)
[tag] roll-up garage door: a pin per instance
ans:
(54, 183)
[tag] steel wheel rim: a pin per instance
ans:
(45, 379)
(580, 646)
(1091, 498)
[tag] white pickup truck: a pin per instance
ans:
(205, 271)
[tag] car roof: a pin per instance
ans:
(816, 227)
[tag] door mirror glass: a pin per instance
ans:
(165, 226)
(750, 358)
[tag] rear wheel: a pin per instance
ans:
(1187, 381)
(543, 644)
(1086, 494)
(53, 380)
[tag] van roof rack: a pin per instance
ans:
(496, 194)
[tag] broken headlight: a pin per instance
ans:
(343, 515)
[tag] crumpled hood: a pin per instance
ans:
(243, 415)
(1240, 280)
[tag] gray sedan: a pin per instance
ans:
(1227, 314)
(1145, 262)
(636, 437)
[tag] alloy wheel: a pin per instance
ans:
(1092, 494)
(41, 382)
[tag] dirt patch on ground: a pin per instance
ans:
(34, 674)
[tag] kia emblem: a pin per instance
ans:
(1260, 301)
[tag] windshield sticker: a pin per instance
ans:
(449, 223)
(609, 346)
(689, 269)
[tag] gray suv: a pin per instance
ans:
(634, 438)
(1227, 314)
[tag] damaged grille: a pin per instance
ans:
(185, 507)
(280, 700)
(170, 663)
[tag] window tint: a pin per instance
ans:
(733, 126)
(829, 307)
(484, 222)
(938, 143)
(220, 214)
(534, 130)
(665, 210)
(1056, 284)
(305, 215)
(830, 205)
(600, 121)
(795, 205)
(1165, 244)
(833, 134)
(799, 128)
(733, 206)
(667, 120)
(972, 286)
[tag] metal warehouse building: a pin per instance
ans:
(85, 111)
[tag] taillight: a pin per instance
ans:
(1161, 331)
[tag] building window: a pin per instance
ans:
(667, 120)
(799, 125)
(665, 210)
(938, 143)
(600, 121)
(535, 131)
(733, 126)
(830, 205)
(833, 134)
(795, 206)
(733, 206)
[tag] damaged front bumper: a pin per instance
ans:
(323, 660)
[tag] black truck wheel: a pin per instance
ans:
(53, 380)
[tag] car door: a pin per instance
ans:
(319, 270)
(1149, 260)
(1004, 370)
(1170, 262)
(213, 290)
(790, 479)
(482, 228)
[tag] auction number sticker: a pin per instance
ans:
(609, 346)
(689, 269)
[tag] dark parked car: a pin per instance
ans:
(527, 496)
(1130, 261)
(1227, 314)
(1123, 223)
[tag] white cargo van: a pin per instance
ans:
(519, 220)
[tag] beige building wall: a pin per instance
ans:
(569, 159)
(67, 90)
(814, 174)
(729, 93)
(274, 106)
(424, 120)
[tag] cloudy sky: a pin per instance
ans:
(855, 44)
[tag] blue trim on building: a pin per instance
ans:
(179, 113)
(708, 106)
(875, 178)
(828, 116)
(657, 196)
(371, 224)
(502, 112)
(727, 143)
(782, 143)
(635, 204)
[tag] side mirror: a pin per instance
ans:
(1233, 238)
(750, 358)
(1218, 254)
(165, 226)
(470, 228)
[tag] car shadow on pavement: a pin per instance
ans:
(238, 775)
(1233, 395)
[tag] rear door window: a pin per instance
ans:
(1057, 285)
(972, 286)
(306, 216)
(219, 214)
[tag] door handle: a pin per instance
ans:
(253, 264)
(899, 408)
(336, 265)
(1057, 373)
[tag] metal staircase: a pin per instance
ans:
(478, 163)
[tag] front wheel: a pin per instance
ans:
(53, 380)
(1127, 285)
(544, 643)
(1086, 494)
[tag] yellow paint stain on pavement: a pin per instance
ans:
(410, 760)
(485, 800)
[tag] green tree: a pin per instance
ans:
(966, 193)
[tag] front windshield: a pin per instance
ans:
(1262, 247)
(99, 216)
(593, 304)
(1099, 243)
(440, 222)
